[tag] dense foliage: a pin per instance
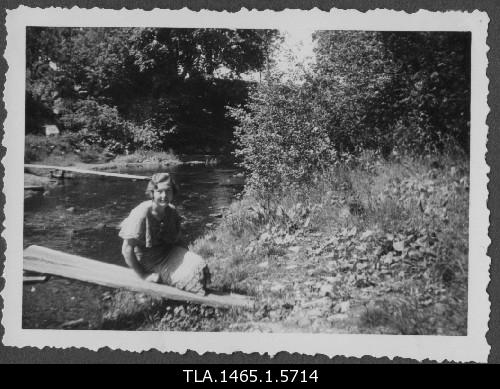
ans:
(384, 91)
(280, 139)
(140, 87)
(405, 90)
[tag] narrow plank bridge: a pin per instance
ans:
(85, 171)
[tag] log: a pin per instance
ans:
(47, 261)
(85, 171)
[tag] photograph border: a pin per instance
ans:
(473, 347)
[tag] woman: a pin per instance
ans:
(151, 241)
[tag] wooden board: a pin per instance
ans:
(47, 261)
(34, 279)
(84, 171)
(34, 187)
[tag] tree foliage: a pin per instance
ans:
(174, 70)
(280, 140)
(383, 91)
(407, 90)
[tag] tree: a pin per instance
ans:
(393, 89)
(280, 139)
(181, 53)
(167, 81)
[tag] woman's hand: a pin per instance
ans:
(153, 277)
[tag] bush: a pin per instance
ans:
(279, 140)
(147, 137)
(39, 147)
(99, 124)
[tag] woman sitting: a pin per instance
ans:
(151, 241)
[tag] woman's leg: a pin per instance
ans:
(184, 269)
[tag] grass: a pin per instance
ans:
(394, 234)
(148, 157)
(373, 247)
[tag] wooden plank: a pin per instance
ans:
(47, 261)
(34, 279)
(34, 187)
(84, 171)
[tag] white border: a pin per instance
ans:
(472, 347)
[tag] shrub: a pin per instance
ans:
(99, 124)
(279, 141)
(39, 147)
(147, 137)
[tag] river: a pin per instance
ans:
(81, 216)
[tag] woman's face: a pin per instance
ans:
(163, 195)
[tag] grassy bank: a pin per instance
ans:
(371, 247)
(69, 150)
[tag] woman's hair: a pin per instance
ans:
(158, 178)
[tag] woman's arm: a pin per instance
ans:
(132, 261)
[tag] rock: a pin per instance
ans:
(263, 265)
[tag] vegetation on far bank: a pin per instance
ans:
(70, 149)
(141, 88)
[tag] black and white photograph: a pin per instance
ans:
(277, 180)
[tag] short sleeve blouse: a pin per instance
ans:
(147, 230)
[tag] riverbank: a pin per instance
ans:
(65, 151)
(376, 247)
(371, 247)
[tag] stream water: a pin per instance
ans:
(81, 216)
